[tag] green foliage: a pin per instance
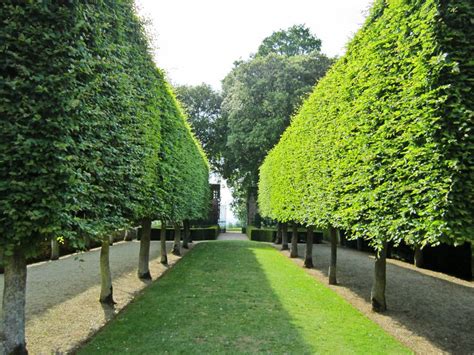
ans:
(260, 96)
(81, 126)
(203, 107)
(296, 40)
(383, 146)
(251, 288)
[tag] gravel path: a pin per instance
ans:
(62, 307)
(428, 311)
(232, 236)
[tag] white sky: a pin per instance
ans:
(198, 41)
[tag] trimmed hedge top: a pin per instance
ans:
(383, 147)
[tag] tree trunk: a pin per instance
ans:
(284, 236)
(186, 233)
(418, 256)
(278, 239)
(252, 208)
(54, 249)
(308, 259)
(177, 240)
(164, 256)
(377, 296)
(294, 241)
(12, 331)
(144, 256)
(333, 264)
(106, 289)
(360, 245)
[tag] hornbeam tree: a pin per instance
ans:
(382, 147)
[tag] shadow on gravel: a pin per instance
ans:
(436, 309)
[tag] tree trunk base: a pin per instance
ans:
(145, 276)
(294, 253)
(377, 306)
(109, 299)
(176, 251)
(308, 263)
(185, 246)
(285, 247)
(332, 275)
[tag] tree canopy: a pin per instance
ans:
(382, 147)
(296, 40)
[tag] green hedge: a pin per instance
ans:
(383, 147)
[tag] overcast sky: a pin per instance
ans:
(198, 40)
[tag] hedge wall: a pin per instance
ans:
(383, 147)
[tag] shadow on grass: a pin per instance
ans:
(436, 309)
(206, 304)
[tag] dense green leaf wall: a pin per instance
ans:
(82, 126)
(383, 147)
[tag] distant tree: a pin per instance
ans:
(296, 40)
(203, 107)
(260, 96)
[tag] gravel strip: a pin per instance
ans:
(62, 307)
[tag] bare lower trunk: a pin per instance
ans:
(294, 241)
(308, 258)
(144, 256)
(333, 264)
(377, 296)
(54, 249)
(284, 236)
(186, 233)
(12, 327)
(164, 255)
(360, 246)
(278, 238)
(177, 240)
(106, 290)
(418, 256)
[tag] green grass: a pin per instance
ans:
(240, 297)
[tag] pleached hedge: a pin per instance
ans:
(383, 147)
(92, 138)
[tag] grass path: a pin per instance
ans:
(240, 297)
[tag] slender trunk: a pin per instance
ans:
(333, 264)
(278, 239)
(12, 331)
(164, 255)
(252, 208)
(186, 233)
(177, 240)
(308, 259)
(377, 296)
(106, 289)
(144, 256)
(54, 249)
(418, 256)
(294, 241)
(360, 246)
(284, 236)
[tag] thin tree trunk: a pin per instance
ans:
(54, 249)
(360, 246)
(164, 255)
(333, 264)
(186, 233)
(144, 256)
(418, 256)
(106, 289)
(278, 239)
(377, 296)
(308, 259)
(177, 240)
(12, 327)
(294, 241)
(284, 236)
